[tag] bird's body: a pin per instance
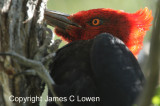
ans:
(101, 67)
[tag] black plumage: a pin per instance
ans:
(101, 67)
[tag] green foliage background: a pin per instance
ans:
(73, 6)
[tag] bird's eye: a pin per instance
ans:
(95, 22)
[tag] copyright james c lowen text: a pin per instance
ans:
(71, 98)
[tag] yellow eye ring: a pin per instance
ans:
(95, 22)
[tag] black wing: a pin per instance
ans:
(117, 73)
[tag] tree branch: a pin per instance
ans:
(153, 63)
(38, 67)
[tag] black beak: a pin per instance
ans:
(58, 19)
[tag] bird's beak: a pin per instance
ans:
(58, 19)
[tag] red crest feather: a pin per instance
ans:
(140, 23)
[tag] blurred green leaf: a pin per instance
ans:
(156, 98)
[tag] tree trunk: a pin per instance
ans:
(22, 30)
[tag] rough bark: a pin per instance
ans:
(22, 30)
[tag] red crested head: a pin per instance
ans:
(129, 27)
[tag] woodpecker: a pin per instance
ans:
(100, 67)
(98, 59)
